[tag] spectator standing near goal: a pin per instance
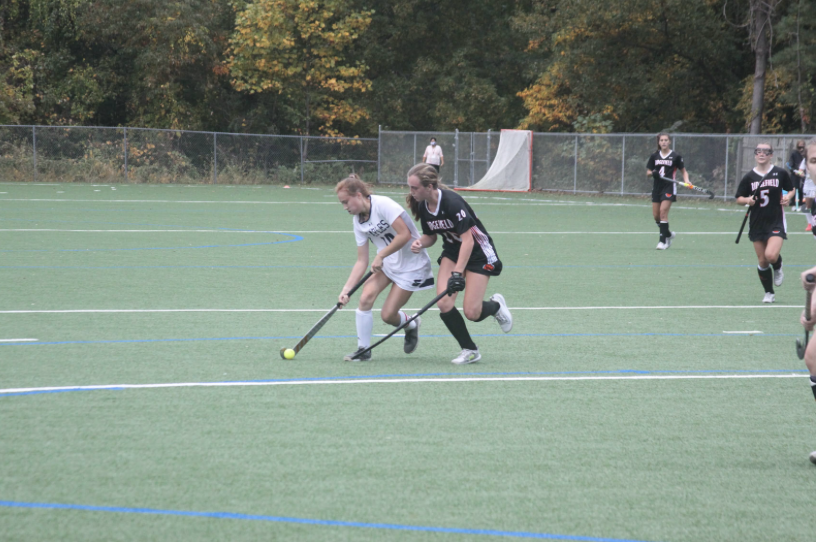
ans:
(433, 155)
(809, 169)
(795, 160)
(664, 163)
(383, 222)
(468, 258)
(763, 190)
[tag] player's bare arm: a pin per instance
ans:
(362, 258)
(464, 252)
(401, 239)
(425, 241)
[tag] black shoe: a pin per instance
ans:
(358, 356)
(411, 338)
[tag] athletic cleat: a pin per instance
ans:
(411, 338)
(662, 245)
(768, 298)
(669, 239)
(358, 356)
(808, 227)
(503, 316)
(467, 356)
(778, 276)
(813, 457)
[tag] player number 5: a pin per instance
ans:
(764, 194)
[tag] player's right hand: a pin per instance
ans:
(808, 325)
(656, 175)
(344, 299)
(808, 286)
(415, 247)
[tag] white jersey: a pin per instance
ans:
(408, 270)
(809, 189)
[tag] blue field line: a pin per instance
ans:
(307, 521)
(287, 337)
(294, 237)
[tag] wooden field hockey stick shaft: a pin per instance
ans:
(407, 323)
(318, 325)
(690, 185)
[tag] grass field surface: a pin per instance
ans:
(642, 395)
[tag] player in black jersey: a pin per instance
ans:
(664, 163)
(467, 261)
(767, 189)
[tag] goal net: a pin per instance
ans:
(511, 171)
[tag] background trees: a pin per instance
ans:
(347, 66)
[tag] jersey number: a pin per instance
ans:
(462, 214)
(764, 194)
(662, 172)
(450, 237)
(388, 238)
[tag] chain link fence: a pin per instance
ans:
(141, 155)
(576, 163)
(586, 163)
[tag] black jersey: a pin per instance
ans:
(767, 213)
(454, 217)
(667, 167)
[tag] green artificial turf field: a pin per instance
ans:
(642, 395)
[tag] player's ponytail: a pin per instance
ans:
(354, 185)
(427, 176)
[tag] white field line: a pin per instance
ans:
(17, 340)
(398, 381)
(659, 307)
(521, 202)
(348, 231)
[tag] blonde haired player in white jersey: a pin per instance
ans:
(385, 223)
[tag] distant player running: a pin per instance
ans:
(664, 163)
(762, 189)
(383, 222)
(467, 261)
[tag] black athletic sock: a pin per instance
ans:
(766, 279)
(665, 229)
(455, 323)
(488, 308)
(778, 263)
(813, 386)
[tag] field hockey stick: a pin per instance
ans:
(318, 325)
(801, 347)
(407, 323)
(693, 187)
(746, 217)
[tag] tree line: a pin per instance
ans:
(344, 67)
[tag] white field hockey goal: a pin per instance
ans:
(511, 171)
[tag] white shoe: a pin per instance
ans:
(669, 239)
(503, 316)
(467, 356)
(778, 276)
(768, 298)
(662, 245)
(813, 457)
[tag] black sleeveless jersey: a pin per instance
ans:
(767, 212)
(453, 218)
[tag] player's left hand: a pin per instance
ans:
(456, 283)
(808, 325)
(376, 266)
(784, 200)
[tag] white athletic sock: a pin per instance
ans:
(364, 327)
(404, 318)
